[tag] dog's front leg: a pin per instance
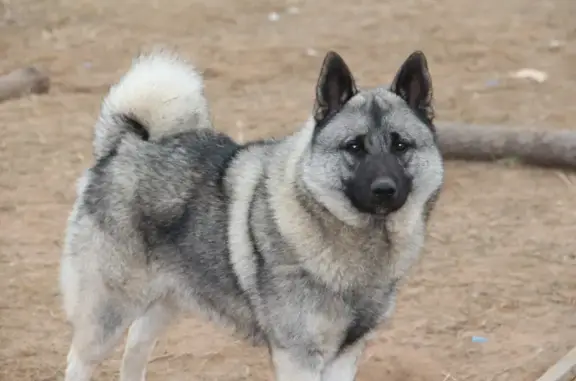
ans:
(344, 366)
(292, 364)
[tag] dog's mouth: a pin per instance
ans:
(377, 210)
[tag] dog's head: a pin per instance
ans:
(372, 151)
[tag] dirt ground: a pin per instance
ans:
(500, 260)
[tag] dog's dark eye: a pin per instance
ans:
(398, 145)
(355, 146)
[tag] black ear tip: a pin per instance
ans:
(331, 56)
(418, 57)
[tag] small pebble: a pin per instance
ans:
(273, 16)
(311, 52)
(555, 44)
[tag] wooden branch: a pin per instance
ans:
(22, 82)
(563, 370)
(541, 147)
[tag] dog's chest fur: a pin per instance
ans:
(335, 279)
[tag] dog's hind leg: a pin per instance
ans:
(96, 333)
(98, 316)
(142, 338)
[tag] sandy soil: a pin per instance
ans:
(500, 259)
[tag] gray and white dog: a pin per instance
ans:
(297, 243)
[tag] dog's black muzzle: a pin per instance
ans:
(379, 185)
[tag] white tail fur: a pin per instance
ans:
(160, 93)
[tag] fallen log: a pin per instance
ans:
(539, 147)
(22, 82)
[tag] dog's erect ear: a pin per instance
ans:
(335, 86)
(414, 84)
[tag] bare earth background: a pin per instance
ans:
(500, 260)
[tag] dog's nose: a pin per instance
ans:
(383, 188)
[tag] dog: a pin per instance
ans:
(298, 244)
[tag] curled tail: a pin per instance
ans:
(159, 95)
